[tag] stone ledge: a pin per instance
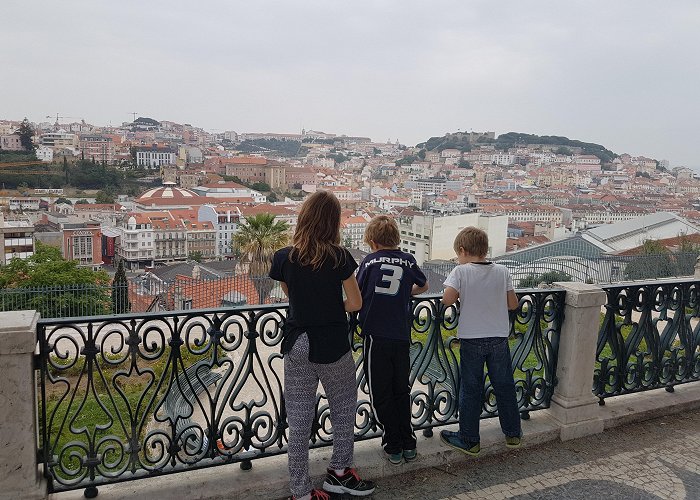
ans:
(631, 408)
(18, 332)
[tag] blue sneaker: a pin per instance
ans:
(452, 439)
(409, 455)
(394, 458)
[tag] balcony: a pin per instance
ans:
(135, 396)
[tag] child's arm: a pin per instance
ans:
(283, 285)
(512, 300)
(450, 296)
(417, 290)
(353, 297)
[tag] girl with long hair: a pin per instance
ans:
(314, 272)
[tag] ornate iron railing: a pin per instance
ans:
(125, 397)
(649, 337)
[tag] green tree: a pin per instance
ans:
(272, 197)
(26, 133)
(464, 164)
(105, 197)
(256, 241)
(82, 201)
(63, 200)
(66, 170)
(196, 256)
(120, 291)
(55, 287)
(563, 150)
(656, 261)
(261, 186)
(421, 154)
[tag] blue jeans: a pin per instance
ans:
(493, 351)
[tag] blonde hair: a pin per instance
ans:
(317, 235)
(384, 231)
(473, 241)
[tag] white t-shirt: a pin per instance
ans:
(483, 301)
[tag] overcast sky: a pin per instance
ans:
(625, 74)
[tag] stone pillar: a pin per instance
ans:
(573, 404)
(19, 472)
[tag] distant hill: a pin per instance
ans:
(463, 142)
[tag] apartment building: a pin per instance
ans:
(224, 219)
(201, 239)
(169, 238)
(429, 237)
(136, 244)
(59, 139)
(17, 239)
(155, 157)
(352, 231)
(97, 147)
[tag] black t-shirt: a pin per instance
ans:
(316, 304)
(386, 278)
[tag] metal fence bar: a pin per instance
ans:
(649, 337)
(130, 396)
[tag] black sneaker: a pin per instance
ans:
(347, 482)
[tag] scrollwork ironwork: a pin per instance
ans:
(128, 396)
(649, 337)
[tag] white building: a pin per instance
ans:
(136, 241)
(429, 237)
(44, 153)
(155, 157)
(225, 220)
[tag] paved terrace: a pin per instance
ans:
(650, 449)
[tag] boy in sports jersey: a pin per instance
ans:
(388, 278)
(486, 294)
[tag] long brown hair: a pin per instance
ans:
(317, 235)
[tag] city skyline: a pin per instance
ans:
(618, 75)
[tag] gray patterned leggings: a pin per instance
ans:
(301, 379)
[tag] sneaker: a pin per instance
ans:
(348, 482)
(409, 455)
(452, 439)
(317, 495)
(512, 442)
(394, 458)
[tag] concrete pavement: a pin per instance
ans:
(655, 459)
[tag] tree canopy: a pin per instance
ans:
(55, 287)
(256, 241)
(26, 133)
(657, 261)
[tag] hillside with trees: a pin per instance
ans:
(514, 139)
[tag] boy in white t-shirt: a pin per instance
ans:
(486, 295)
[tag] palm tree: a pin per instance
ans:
(256, 241)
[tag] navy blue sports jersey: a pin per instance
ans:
(386, 278)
